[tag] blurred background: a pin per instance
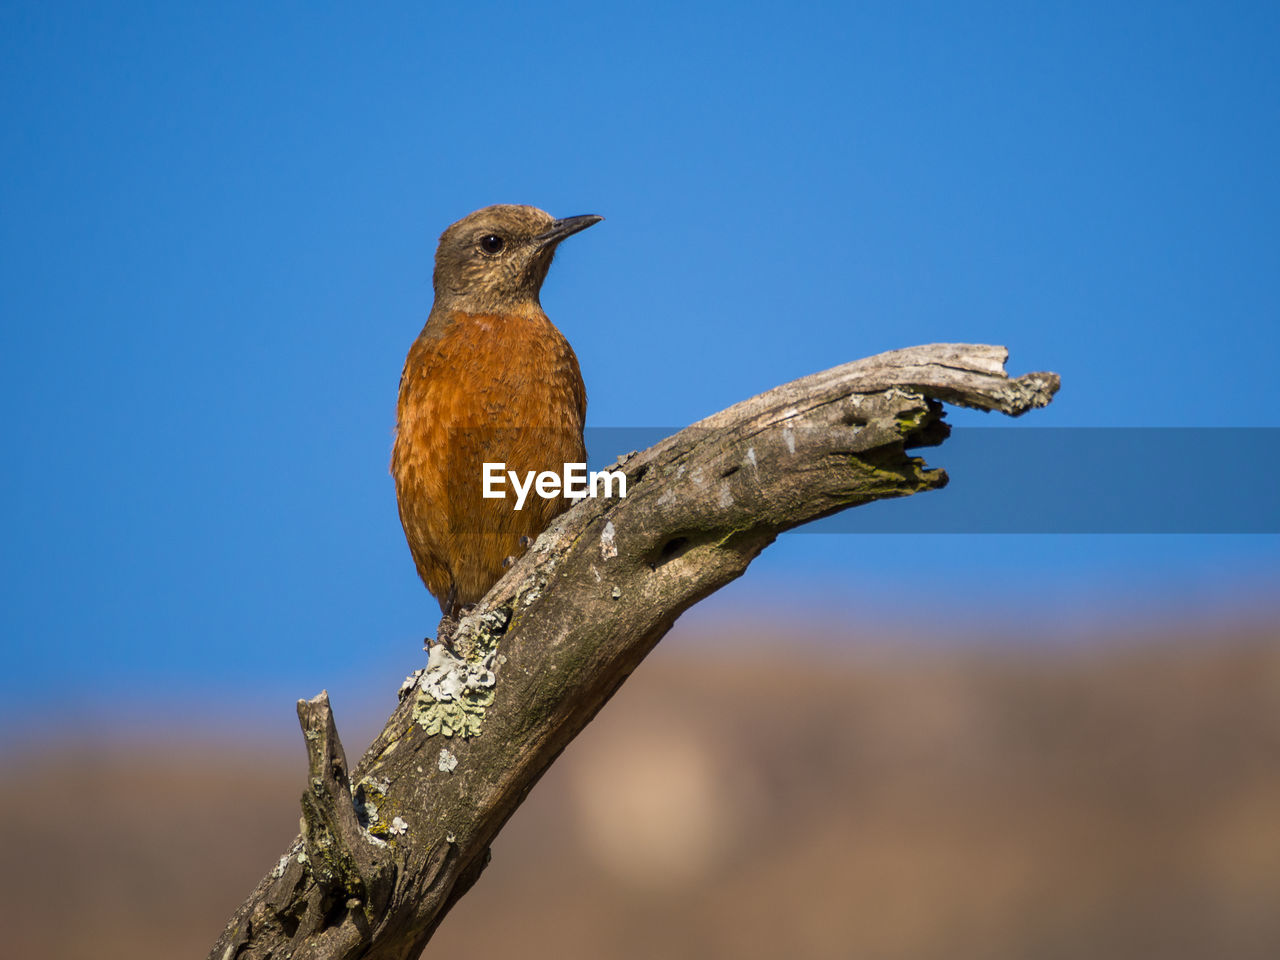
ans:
(215, 249)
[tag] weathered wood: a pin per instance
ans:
(381, 860)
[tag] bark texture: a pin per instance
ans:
(385, 850)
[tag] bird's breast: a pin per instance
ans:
(488, 387)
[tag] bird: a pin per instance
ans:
(489, 379)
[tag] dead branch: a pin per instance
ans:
(385, 852)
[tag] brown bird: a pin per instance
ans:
(489, 379)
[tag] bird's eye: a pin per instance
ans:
(492, 243)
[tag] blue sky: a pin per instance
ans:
(216, 243)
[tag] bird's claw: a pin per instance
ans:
(448, 625)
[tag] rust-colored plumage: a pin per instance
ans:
(489, 379)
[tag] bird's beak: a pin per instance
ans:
(567, 228)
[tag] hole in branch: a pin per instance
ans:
(851, 418)
(674, 548)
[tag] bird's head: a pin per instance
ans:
(495, 259)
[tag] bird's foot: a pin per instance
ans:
(449, 623)
(446, 629)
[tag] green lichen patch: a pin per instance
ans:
(452, 693)
(374, 808)
(460, 718)
(911, 420)
(889, 472)
(478, 635)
